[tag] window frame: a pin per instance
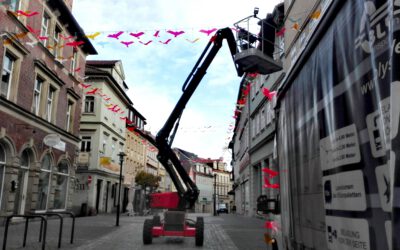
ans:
(45, 27)
(13, 60)
(51, 94)
(49, 171)
(37, 95)
(85, 141)
(89, 104)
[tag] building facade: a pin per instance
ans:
(205, 182)
(103, 136)
(40, 104)
(254, 136)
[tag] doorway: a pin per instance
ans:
(98, 192)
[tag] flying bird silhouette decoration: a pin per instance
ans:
(208, 32)
(166, 42)
(116, 35)
(175, 33)
(146, 43)
(127, 43)
(27, 13)
(268, 94)
(75, 43)
(137, 35)
(157, 34)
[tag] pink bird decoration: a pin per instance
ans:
(66, 37)
(146, 43)
(166, 42)
(157, 34)
(208, 32)
(75, 43)
(270, 172)
(27, 14)
(271, 225)
(175, 33)
(33, 31)
(116, 35)
(85, 86)
(281, 32)
(137, 35)
(92, 92)
(268, 94)
(127, 43)
(42, 38)
(267, 184)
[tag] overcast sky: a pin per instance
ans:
(155, 72)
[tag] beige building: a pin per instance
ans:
(102, 132)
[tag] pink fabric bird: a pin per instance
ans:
(92, 92)
(268, 94)
(175, 33)
(270, 172)
(147, 43)
(137, 35)
(273, 225)
(75, 43)
(127, 43)
(156, 34)
(27, 14)
(267, 184)
(166, 42)
(116, 35)
(281, 32)
(208, 32)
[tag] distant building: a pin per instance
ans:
(40, 103)
(103, 136)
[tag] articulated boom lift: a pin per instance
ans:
(175, 222)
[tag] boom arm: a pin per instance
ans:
(187, 189)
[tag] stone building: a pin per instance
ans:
(103, 136)
(40, 103)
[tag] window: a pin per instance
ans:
(86, 143)
(14, 5)
(89, 104)
(262, 118)
(2, 168)
(74, 60)
(113, 151)
(37, 95)
(104, 147)
(44, 32)
(61, 185)
(44, 181)
(6, 76)
(69, 116)
(50, 102)
(56, 39)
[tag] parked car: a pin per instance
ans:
(222, 208)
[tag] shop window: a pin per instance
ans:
(44, 181)
(61, 185)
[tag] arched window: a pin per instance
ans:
(22, 187)
(61, 185)
(2, 167)
(44, 180)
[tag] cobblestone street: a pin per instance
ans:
(229, 232)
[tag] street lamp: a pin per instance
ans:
(121, 161)
(215, 194)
